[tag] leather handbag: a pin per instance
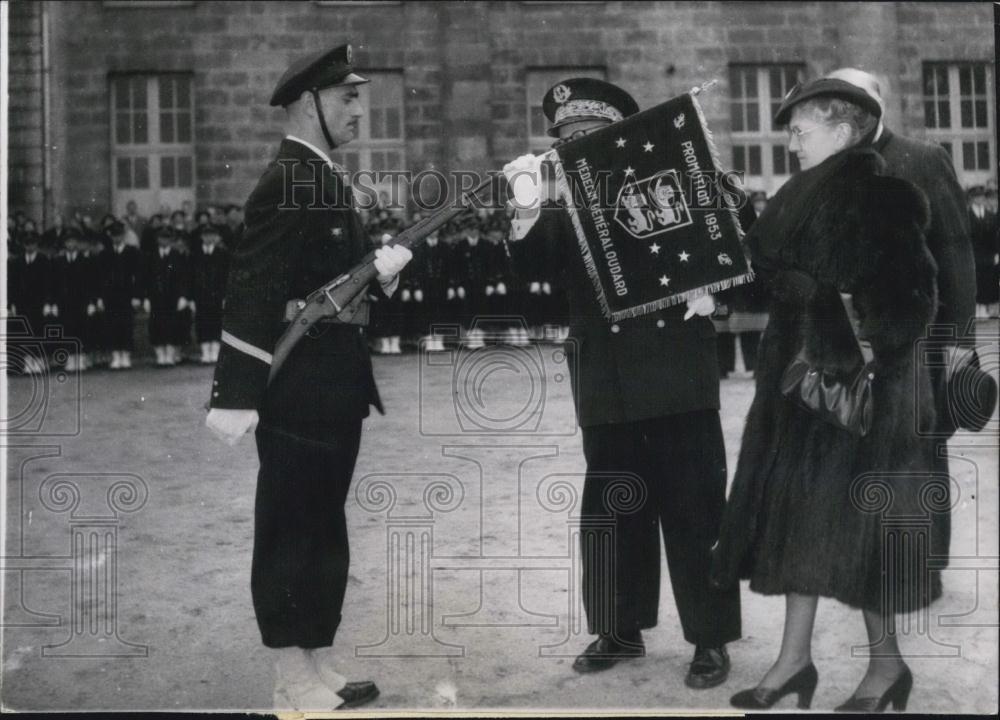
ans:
(843, 400)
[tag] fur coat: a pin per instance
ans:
(812, 508)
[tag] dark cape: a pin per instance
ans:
(813, 509)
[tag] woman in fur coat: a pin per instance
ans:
(812, 506)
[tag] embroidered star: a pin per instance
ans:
(683, 255)
(648, 147)
(664, 280)
(629, 171)
(655, 249)
(620, 142)
(335, 232)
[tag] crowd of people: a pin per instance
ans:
(98, 281)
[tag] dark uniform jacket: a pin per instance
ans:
(121, 277)
(300, 232)
(646, 367)
(208, 288)
(929, 167)
(30, 288)
(75, 287)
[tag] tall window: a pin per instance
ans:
(538, 82)
(959, 113)
(381, 143)
(760, 148)
(152, 131)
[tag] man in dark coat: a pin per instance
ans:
(208, 288)
(167, 291)
(76, 292)
(929, 167)
(430, 289)
(300, 231)
(647, 401)
(121, 270)
(470, 258)
(30, 293)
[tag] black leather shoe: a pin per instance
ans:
(803, 682)
(898, 693)
(358, 693)
(709, 668)
(605, 651)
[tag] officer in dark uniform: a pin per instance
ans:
(167, 290)
(76, 293)
(647, 401)
(121, 266)
(470, 260)
(30, 292)
(300, 231)
(208, 288)
(430, 278)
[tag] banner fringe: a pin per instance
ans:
(590, 265)
(673, 300)
(717, 164)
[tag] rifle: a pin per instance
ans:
(341, 291)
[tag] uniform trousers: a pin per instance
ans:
(300, 548)
(668, 473)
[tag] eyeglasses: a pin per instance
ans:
(574, 136)
(796, 132)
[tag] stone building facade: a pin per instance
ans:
(163, 102)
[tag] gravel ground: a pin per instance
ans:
(484, 484)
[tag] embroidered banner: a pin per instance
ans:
(654, 218)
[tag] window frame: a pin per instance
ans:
(766, 136)
(154, 149)
(954, 137)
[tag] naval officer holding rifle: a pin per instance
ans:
(301, 231)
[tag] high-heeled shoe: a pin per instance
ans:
(898, 693)
(803, 682)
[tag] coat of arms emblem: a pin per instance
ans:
(652, 206)
(560, 93)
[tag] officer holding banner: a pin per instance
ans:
(301, 231)
(646, 391)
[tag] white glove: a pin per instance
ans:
(231, 425)
(13, 309)
(390, 259)
(489, 290)
(147, 306)
(535, 288)
(100, 304)
(181, 303)
(405, 295)
(451, 293)
(702, 305)
(136, 303)
(546, 288)
(418, 295)
(91, 309)
(46, 310)
(525, 179)
(461, 293)
(501, 289)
